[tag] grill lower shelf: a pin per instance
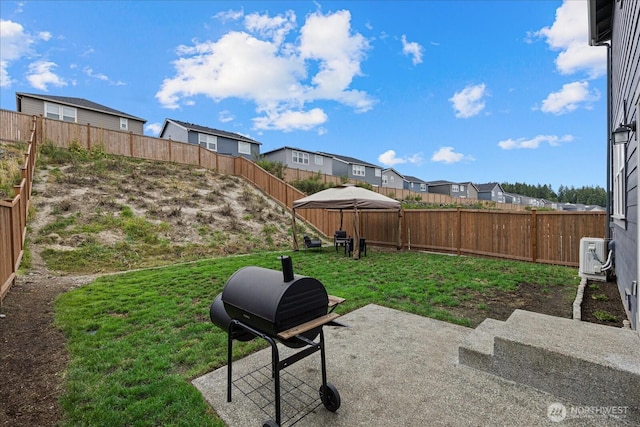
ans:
(297, 398)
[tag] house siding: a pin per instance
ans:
(94, 118)
(625, 83)
(175, 133)
(398, 181)
(285, 156)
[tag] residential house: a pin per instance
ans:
(415, 184)
(491, 191)
(391, 178)
(534, 202)
(464, 190)
(512, 198)
(222, 142)
(615, 24)
(78, 110)
(355, 169)
(296, 158)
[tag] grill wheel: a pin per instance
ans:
(330, 397)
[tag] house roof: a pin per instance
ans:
(208, 130)
(414, 179)
(80, 103)
(600, 21)
(286, 147)
(351, 160)
(439, 182)
(484, 188)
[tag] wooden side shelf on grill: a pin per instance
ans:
(304, 327)
(333, 301)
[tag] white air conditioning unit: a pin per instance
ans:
(592, 258)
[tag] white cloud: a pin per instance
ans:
(448, 156)
(41, 75)
(273, 74)
(291, 120)
(275, 28)
(569, 98)
(412, 49)
(44, 35)
(533, 143)
(229, 15)
(15, 43)
(154, 128)
(89, 72)
(389, 158)
(570, 35)
(225, 116)
(469, 101)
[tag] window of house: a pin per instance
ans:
(358, 170)
(318, 160)
(423, 187)
(411, 185)
(385, 179)
(618, 190)
(378, 172)
(393, 178)
(210, 142)
(454, 188)
(124, 124)
(300, 157)
(244, 147)
(60, 112)
(462, 188)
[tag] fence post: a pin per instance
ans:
(88, 137)
(534, 235)
(131, 143)
(459, 215)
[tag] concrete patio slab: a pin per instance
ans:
(393, 368)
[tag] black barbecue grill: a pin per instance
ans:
(277, 307)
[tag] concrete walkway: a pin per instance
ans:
(392, 368)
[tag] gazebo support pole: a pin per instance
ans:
(293, 229)
(356, 238)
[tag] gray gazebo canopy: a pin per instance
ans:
(344, 197)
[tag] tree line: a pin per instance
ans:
(586, 195)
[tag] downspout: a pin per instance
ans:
(609, 142)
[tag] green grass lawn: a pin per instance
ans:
(137, 339)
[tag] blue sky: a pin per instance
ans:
(476, 91)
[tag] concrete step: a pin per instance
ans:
(586, 363)
(476, 350)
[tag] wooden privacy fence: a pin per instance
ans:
(13, 213)
(549, 237)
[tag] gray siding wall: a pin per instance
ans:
(278, 156)
(416, 187)
(398, 182)
(325, 168)
(226, 146)
(341, 169)
(625, 76)
(94, 118)
(175, 133)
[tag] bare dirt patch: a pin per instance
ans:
(601, 304)
(552, 300)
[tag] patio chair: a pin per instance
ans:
(310, 243)
(340, 239)
(363, 246)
